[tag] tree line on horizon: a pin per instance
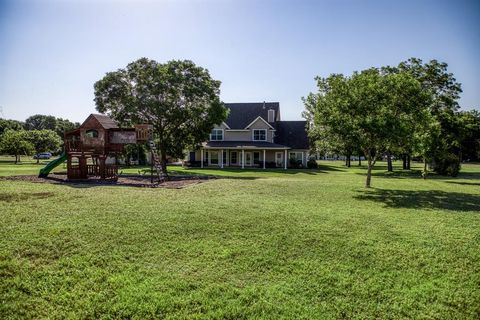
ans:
(38, 133)
(410, 110)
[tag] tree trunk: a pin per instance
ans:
(408, 162)
(359, 161)
(348, 160)
(425, 169)
(38, 159)
(16, 159)
(163, 162)
(404, 161)
(389, 162)
(369, 170)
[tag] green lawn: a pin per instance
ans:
(251, 244)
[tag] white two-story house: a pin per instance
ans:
(254, 136)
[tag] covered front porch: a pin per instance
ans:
(241, 154)
(242, 158)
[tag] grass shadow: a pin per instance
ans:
(430, 199)
(464, 183)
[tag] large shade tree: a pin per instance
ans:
(371, 108)
(178, 98)
(445, 92)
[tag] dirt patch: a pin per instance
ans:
(174, 182)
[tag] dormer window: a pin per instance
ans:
(216, 135)
(259, 134)
(91, 133)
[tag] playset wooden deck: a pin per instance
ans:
(91, 149)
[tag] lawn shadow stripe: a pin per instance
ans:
(428, 199)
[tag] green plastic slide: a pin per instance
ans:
(52, 164)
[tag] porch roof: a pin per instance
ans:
(242, 145)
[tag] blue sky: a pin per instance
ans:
(52, 52)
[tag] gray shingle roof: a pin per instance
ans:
(292, 134)
(242, 114)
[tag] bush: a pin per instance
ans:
(270, 164)
(312, 164)
(295, 164)
(447, 165)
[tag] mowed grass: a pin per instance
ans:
(251, 244)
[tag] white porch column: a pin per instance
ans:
(285, 159)
(304, 163)
(201, 158)
(221, 158)
(243, 158)
(263, 158)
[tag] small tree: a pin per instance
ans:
(178, 98)
(43, 141)
(15, 143)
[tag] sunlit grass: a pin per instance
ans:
(250, 244)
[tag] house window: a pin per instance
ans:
(259, 134)
(256, 157)
(213, 157)
(233, 157)
(216, 135)
(224, 158)
(91, 133)
(296, 156)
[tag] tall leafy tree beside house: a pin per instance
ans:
(180, 100)
(372, 108)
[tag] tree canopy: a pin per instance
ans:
(43, 141)
(178, 98)
(45, 122)
(10, 124)
(370, 108)
(15, 143)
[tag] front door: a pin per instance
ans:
(248, 158)
(234, 158)
(279, 159)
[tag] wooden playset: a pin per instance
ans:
(91, 150)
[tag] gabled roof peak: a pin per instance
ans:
(104, 120)
(242, 114)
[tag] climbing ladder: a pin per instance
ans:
(156, 163)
